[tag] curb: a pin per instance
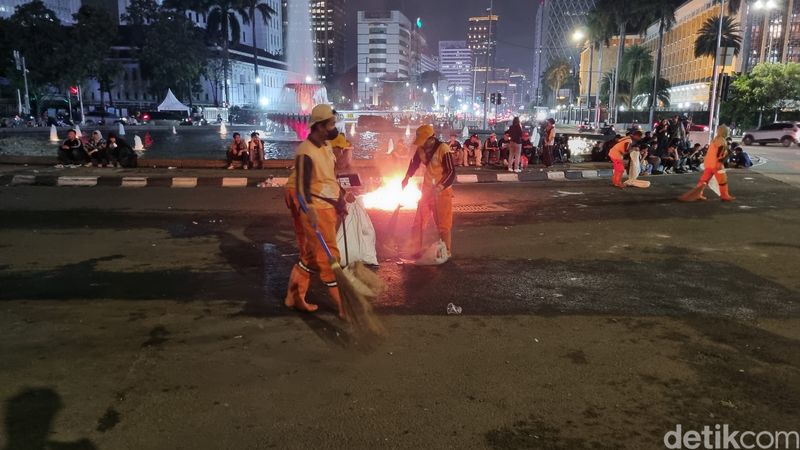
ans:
(242, 182)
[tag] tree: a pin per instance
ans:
(173, 55)
(223, 27)
(106, 77)
(636, 63)
(94, 32)
(555, 75)
(138, 15)
(32, 28)
(606, 86)
(643, 92)
(599, 31)
(768, 87)
(253, 7)
(663, 12)
(705, 44)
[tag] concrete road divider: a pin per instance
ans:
(77, 181)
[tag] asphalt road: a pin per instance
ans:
(592, 318)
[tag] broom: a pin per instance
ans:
(358, 288)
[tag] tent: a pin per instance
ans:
(171, 103)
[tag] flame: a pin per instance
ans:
(391, 195)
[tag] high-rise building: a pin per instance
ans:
(771, 32)
(482, 40)
(455, 64)
(64, 9)
(390, 49)
(560, 19)
(329, 24)
(536, 75)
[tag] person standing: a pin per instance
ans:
(315, 200)
(617, 155)
(549, 142)
(238, 150)
(256, 149)
(515, 157)
(713, 167)
(437, 185)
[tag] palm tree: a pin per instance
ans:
(636, 62)
(599, 33)
(222, 25)
(253, 7)
(705, 44)
(556, 74)
(643, 92)
(607, 84)
(662, 11)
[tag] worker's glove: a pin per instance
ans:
(341, 206)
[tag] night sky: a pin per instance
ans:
(447, 20)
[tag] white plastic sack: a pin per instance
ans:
(434, 255)
(360, 236)
(713, 184)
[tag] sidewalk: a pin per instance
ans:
(48, 175)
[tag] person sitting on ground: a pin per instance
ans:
(695, 158)
(343, 152)
(456, 151)
(598, 155)
(505, 148)
(71, 151)
(645, 168)
(491, 151)
(472, 151)
(740, 159)
(670, 158)
(528, 149)
(121, 152)
(238, 151)
(256, 149)
(96, 149)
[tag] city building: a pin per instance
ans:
(771, 32)
(536, 74)
(455, 64)
(482, 40)
(64, 9)
(559, 20)
(329, 23)
(389, 48)
(519, 89)
(607, 55)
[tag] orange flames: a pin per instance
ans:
(391, 195)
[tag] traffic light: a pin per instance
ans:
(493, 99)
(499, 98)
(73, 90)
(725, 86)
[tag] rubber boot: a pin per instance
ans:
(337, 300)
(724, 195)
(299, 281)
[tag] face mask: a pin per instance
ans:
(332, 134)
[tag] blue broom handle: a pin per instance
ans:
(324, 244)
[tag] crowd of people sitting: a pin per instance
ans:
(250, 154)
(514, 151)
(95, 151)
(670, 150)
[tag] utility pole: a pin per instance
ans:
(713, 103)
(80, 99)
(486, 77)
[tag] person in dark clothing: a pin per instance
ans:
(740, 159)
(457, 151)
(515, 134)
(491, 150)
(528, 149)
(121, 152)
(71, 152)
(472, 151)
(505, 148)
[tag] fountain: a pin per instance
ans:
(223, 130)
(391, 147)
(121, 130)
(173, 130)
(465, 132)
(53, 134)
(408, 130)
(78, 132)
(137, 143)
(353, 129)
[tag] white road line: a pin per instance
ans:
(184, 182)
(234, 182)
(467, 178)
(507, 177)
(589, 174)
(77, 181)
(134, 182)
(555, 175)
(23, 179)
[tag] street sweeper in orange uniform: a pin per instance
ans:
(437, 185)
(617, 155)
(314, 198)
(713, 167)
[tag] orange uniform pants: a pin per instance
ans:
(722, 177)
(440, 205)
(312, 256)
(619, 170)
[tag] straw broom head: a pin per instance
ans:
(358, 288)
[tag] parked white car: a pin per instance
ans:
(787, 133)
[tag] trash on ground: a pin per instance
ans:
(453, 309)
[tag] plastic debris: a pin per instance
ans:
(453, 309)
(171, 168)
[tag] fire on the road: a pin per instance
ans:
(391, 194)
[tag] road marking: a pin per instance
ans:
(589, 173)
(555, 175)
(23, 179)
(77, 181)
(184, 182)
(133, 182)
(467, 178)
(506, 177)
(234, 182)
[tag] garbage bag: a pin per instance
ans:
(360, 236)
(434, 255)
